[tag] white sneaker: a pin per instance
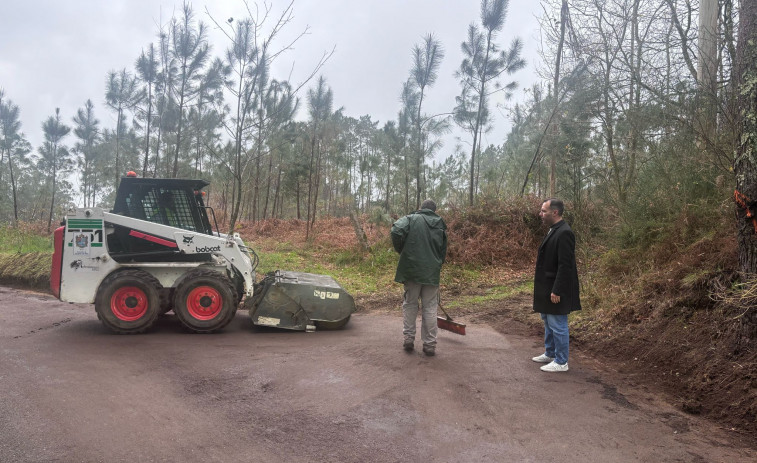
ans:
(542, 359)
(554, 366)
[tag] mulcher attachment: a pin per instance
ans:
(300, 301)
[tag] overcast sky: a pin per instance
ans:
(56, 53)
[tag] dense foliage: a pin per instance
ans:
(626, 123)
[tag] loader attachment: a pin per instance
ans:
(300, 301)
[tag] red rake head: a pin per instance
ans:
(448, 325)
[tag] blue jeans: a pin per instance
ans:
(556, 338)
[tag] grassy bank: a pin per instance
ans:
(25, 256)
(25, 238)
(27, 270)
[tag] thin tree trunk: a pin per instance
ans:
(198, 153)
(481, 96)
(388, 178)
(147, 134)
(362, 239)
(55, 173)
(707, 68)
(256, 186)
(310, 177)
(256, 190)
(297, 196)
(276, 193)
(419, 153)
(118, 145)
(13, 188)
(157, 146)
(269, 178)
(407, 185)
(175, 171)
(317, 186)
(556, 83)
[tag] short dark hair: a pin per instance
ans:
(428, 204)
(556, 205)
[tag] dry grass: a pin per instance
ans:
(495, 233)
(29, 270)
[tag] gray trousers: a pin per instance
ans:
(429, 296)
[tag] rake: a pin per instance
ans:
(447, 323)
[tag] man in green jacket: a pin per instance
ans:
(421, 240)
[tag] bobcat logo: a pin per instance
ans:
(188, 239)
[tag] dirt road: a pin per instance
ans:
(74, 392)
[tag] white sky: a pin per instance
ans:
(56, 53)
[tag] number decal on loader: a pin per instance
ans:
(84, 235)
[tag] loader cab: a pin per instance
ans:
(173, 202)
(177, 203)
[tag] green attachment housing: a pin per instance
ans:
(300, 301)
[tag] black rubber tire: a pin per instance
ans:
(222, 305)
(121, 289)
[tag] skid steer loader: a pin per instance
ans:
(156, 251)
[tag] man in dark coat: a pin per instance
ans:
(421, 240)
(556, 286)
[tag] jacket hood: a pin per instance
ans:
(432, 219)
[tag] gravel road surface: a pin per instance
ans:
(71, 391)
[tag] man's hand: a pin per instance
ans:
(554, 298)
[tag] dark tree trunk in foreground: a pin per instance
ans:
(745, 163)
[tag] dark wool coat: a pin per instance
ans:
(556, 272)
(421, 240)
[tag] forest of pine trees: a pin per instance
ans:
(640, 112)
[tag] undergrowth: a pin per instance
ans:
(24, 238)
(660, 308)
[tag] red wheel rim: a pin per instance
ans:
(129, 303)
(204, 303)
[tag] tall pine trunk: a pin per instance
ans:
(147, 133)
(52, 200)
(13, 188)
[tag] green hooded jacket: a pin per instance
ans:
(421, 240)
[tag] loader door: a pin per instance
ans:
(173, 202)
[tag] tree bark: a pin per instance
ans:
(707, 69)
(745, 164)
(147, 133)
(13, 187)
(118, 145)
(558, 58)
(362, 239)
(55, 173)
